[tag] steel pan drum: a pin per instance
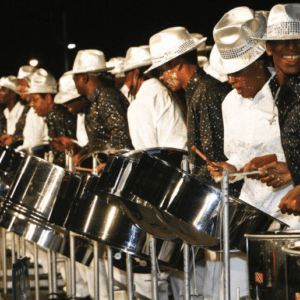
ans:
(92, 217)
(266, 263)
(10, 160)
(292, 270)
(190, 206)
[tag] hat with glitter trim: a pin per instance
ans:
(42, 82)
(25, 71)
(137, 57)
(283, 22)
(10, 82)
(67, 90)
(169, 44)
(202, 47)
(89, 61)
(235, 47)
(117, 63)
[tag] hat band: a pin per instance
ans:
(247, 46)
(172, 54)
(283, 29)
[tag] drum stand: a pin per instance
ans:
(4, 259)
(130, 286)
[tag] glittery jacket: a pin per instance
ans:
(2, 121)
(204, 96)
(288, 104)
(60, 123)
(18, 135)
(106, 121)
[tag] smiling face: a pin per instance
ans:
(248, 81)
(286, 56)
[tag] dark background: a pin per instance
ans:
(36, 31)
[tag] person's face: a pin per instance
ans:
(42, 106)
(169, 76)
(79, 83)
(248, 81)
(23, 88)
(75, 106)
(286, 56)
(4, 95)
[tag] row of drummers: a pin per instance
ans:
(140, 193)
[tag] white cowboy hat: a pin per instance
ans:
(117, 63)
(169, 44)
(235, 47)
(89, 61)
(202, 47)
(67, 90)
(137, 57)
(42, 82)
(10, 82)
(25, 71)
(283, 22)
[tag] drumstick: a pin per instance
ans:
(195, 149)
(83, 169)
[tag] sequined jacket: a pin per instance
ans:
(60, 123)
(204, 97)
(288, 104)
(18, 135)
(3, 128)
(106, 120)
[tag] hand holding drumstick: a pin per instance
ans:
(215, 168)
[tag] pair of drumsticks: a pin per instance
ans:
(196, 150)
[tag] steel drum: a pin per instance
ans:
(92, 217)
(189, 206)
(41, 195)
(118, 170)
(266, 263)
(292, 270)
(37, 150)
(10, 160)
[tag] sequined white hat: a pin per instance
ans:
(10, 82)
(42, 82)
(117, 63)
(25, 71)
(67, 90)
(89, 61)
(202, 47)
(235, 47)
(137, 57)
(283, 22)
(169, 44)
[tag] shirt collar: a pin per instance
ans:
(192, 84)
(95, 94)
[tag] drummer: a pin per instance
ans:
(154, 117)
(106, 109)
(283, 43)
(35, 130)
(60, 122)
(69, 97)
(13, 112)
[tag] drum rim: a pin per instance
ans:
(293, 233)
(287, 248)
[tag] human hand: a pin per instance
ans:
(216, 170)
(258, 162)
(6, 139)
(290, 203)
(275, 174)
(64, 143)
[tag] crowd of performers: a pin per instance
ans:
(240, 108)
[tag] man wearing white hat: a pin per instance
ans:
(252, 135)
(60, 122)
(106, 121)
(154, 118)
(117, 63)
(283, 43)
(35, 129)
(14, 109)
(75, 103)
(173, 52)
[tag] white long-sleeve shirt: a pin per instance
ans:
(249, 133)
(81, 134)
(12, 117)
(155, 119)
(35, 130)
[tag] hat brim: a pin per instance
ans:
(135, 66)
(61, 98)
(280, 38)
(72, 72)
(229, 66)
(194, 47)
